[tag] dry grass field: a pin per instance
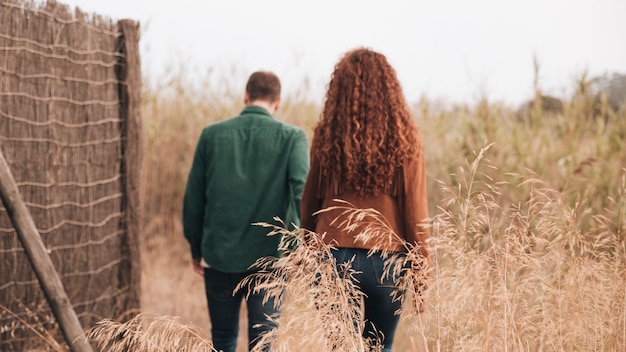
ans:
(528, 235)
(529, 223)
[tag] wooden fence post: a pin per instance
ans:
(49, 279)
(128, 72)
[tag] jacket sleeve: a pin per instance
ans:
(298, 168)
(311, 202)
(415, 207)
(194, 202)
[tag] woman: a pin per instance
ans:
(367, 152)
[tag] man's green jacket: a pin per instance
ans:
(247, 169)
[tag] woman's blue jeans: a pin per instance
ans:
(380, 315)
(224, 309)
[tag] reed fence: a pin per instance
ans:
(70, 131)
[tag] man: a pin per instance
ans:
(247, 169)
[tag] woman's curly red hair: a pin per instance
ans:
(366, 132)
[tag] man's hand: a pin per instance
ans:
(197, 267)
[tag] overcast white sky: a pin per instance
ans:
(450, 49)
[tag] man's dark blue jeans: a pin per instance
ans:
(380, 315)
(224, 309)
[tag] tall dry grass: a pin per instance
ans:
(527, 237)
(524, 276)
(528, 231)
(528, 227)
(323, 307)
(146, 333)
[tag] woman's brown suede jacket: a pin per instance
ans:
(404, 205)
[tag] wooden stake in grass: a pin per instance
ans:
(38, 256)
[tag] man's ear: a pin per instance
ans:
(277, 105)
(246, 98)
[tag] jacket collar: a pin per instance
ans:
(254, 109)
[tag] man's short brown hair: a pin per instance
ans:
(263, 85)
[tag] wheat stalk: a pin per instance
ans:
(146, 333)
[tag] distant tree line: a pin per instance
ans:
(599, 96)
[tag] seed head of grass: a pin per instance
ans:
(146, 333)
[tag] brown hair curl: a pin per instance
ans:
(366, 132)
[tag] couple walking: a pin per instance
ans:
(366, 150)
